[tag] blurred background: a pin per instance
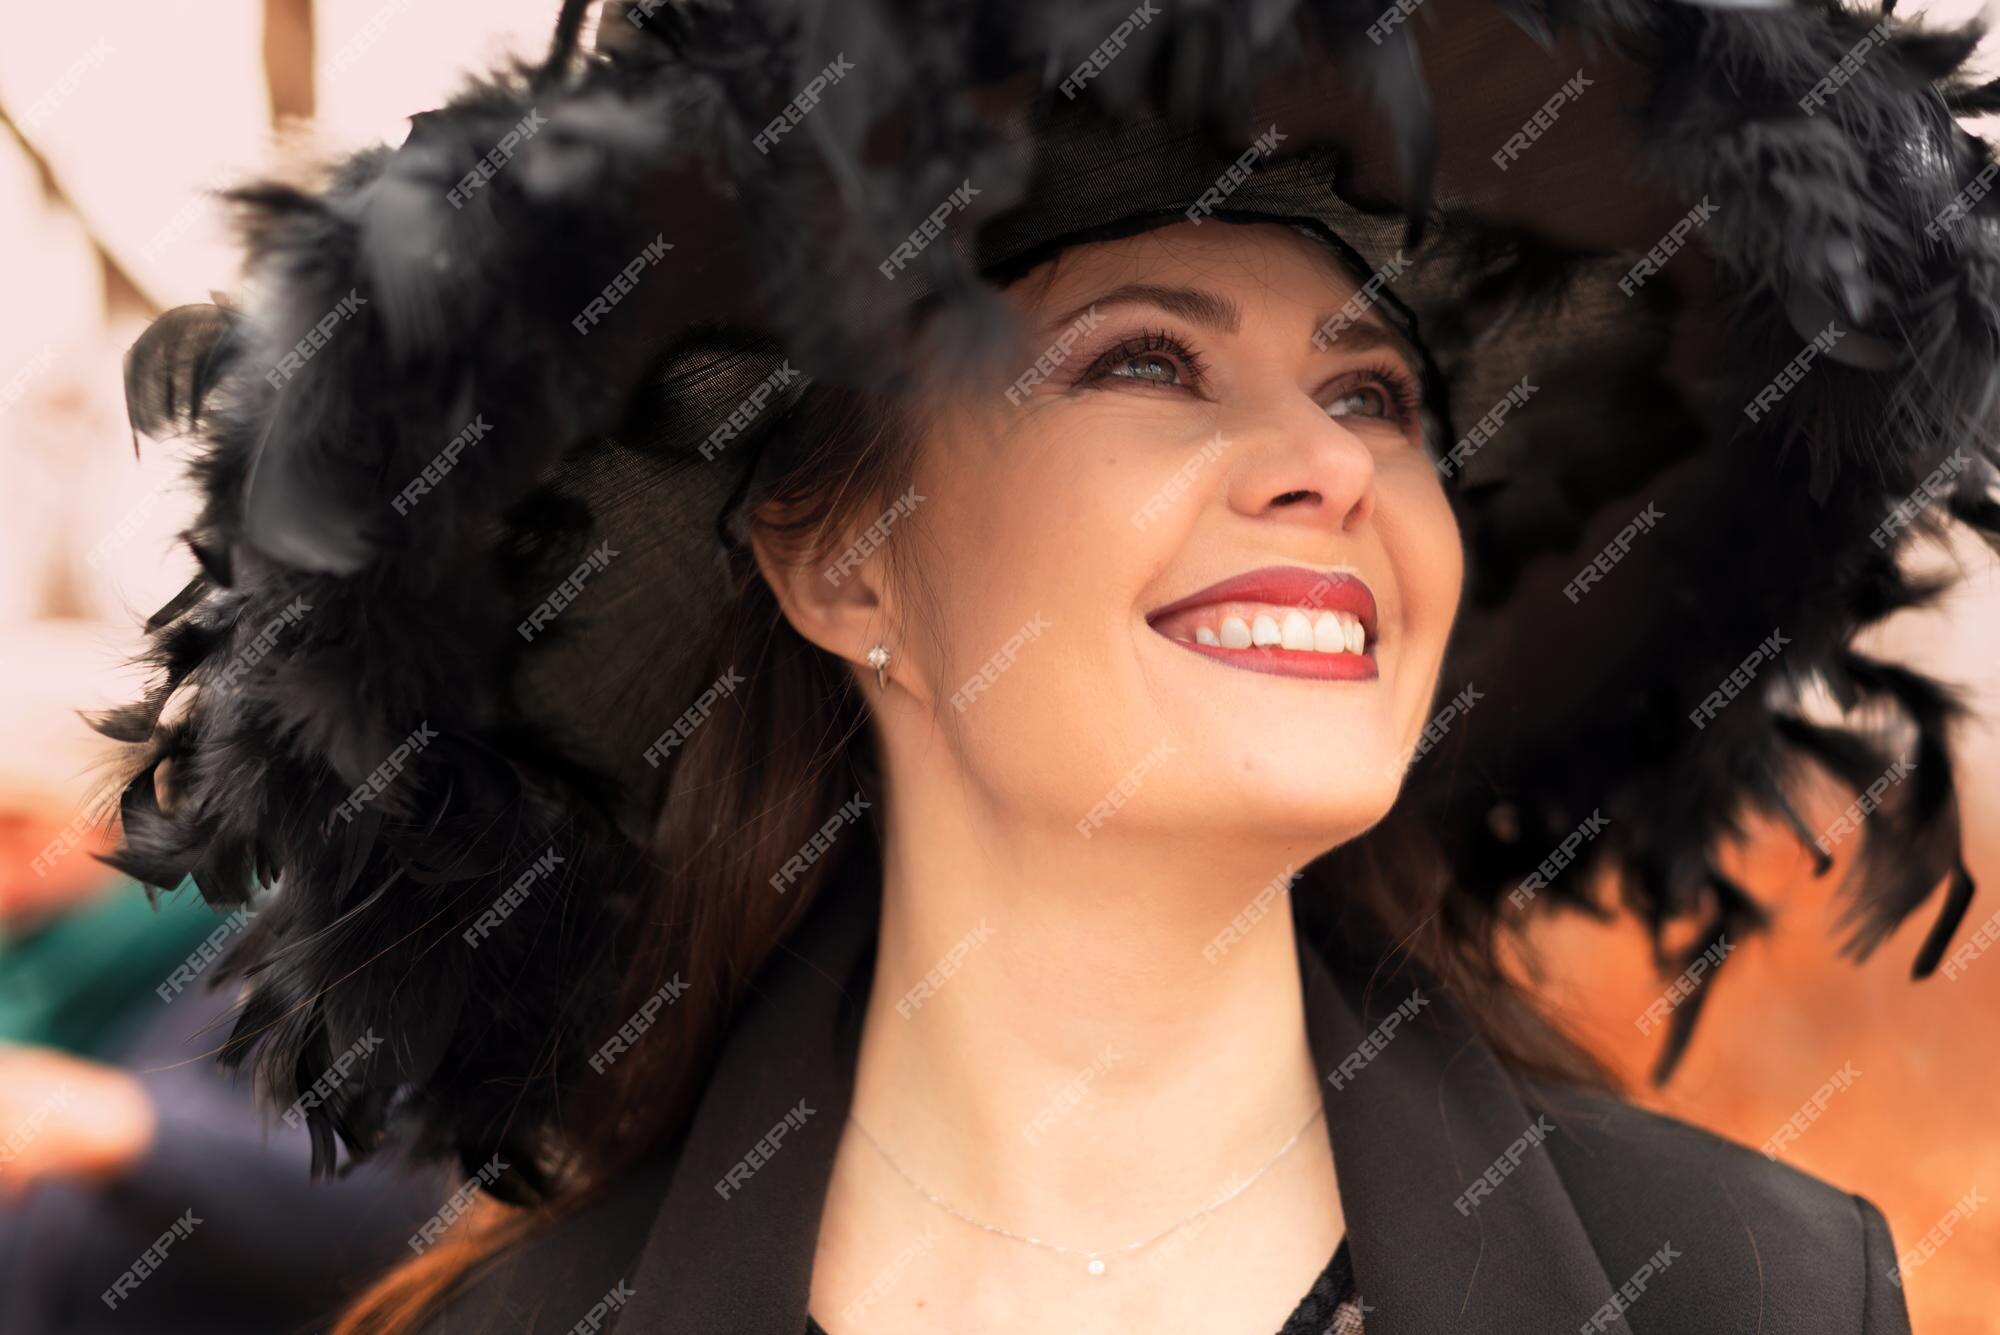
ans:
(116, 122)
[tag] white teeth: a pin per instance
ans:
(1293, 628)
(1329, 636)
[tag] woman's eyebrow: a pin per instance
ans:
(1216, 311)
(1210, 309)
(1367, 334)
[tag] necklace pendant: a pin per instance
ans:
(1096, 1266)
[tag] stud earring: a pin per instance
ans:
(878, 658)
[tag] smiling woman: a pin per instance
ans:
(1200, 335)
(1071, 887)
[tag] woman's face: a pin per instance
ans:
(1153, 568)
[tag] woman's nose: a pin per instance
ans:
(1302, 466)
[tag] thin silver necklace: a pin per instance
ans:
(1093, 1257)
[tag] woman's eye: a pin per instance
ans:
(1151, 367)
(1157, 358)
(1364, 401)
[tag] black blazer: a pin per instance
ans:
(1577, 1195)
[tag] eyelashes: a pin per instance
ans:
(1155, 345)
(1166, 362)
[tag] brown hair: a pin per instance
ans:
(795, 748)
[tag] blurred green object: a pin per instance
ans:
(81, 980)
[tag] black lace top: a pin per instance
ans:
(1330, 1307)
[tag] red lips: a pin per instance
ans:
(1288, 586)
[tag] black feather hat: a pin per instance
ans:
(1711, 310)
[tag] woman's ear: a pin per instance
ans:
(837, 602)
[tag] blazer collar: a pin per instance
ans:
(1418, 1110)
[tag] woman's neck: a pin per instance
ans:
(1103, 1034)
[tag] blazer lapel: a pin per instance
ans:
(1456, 1218)
(731, 1250)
